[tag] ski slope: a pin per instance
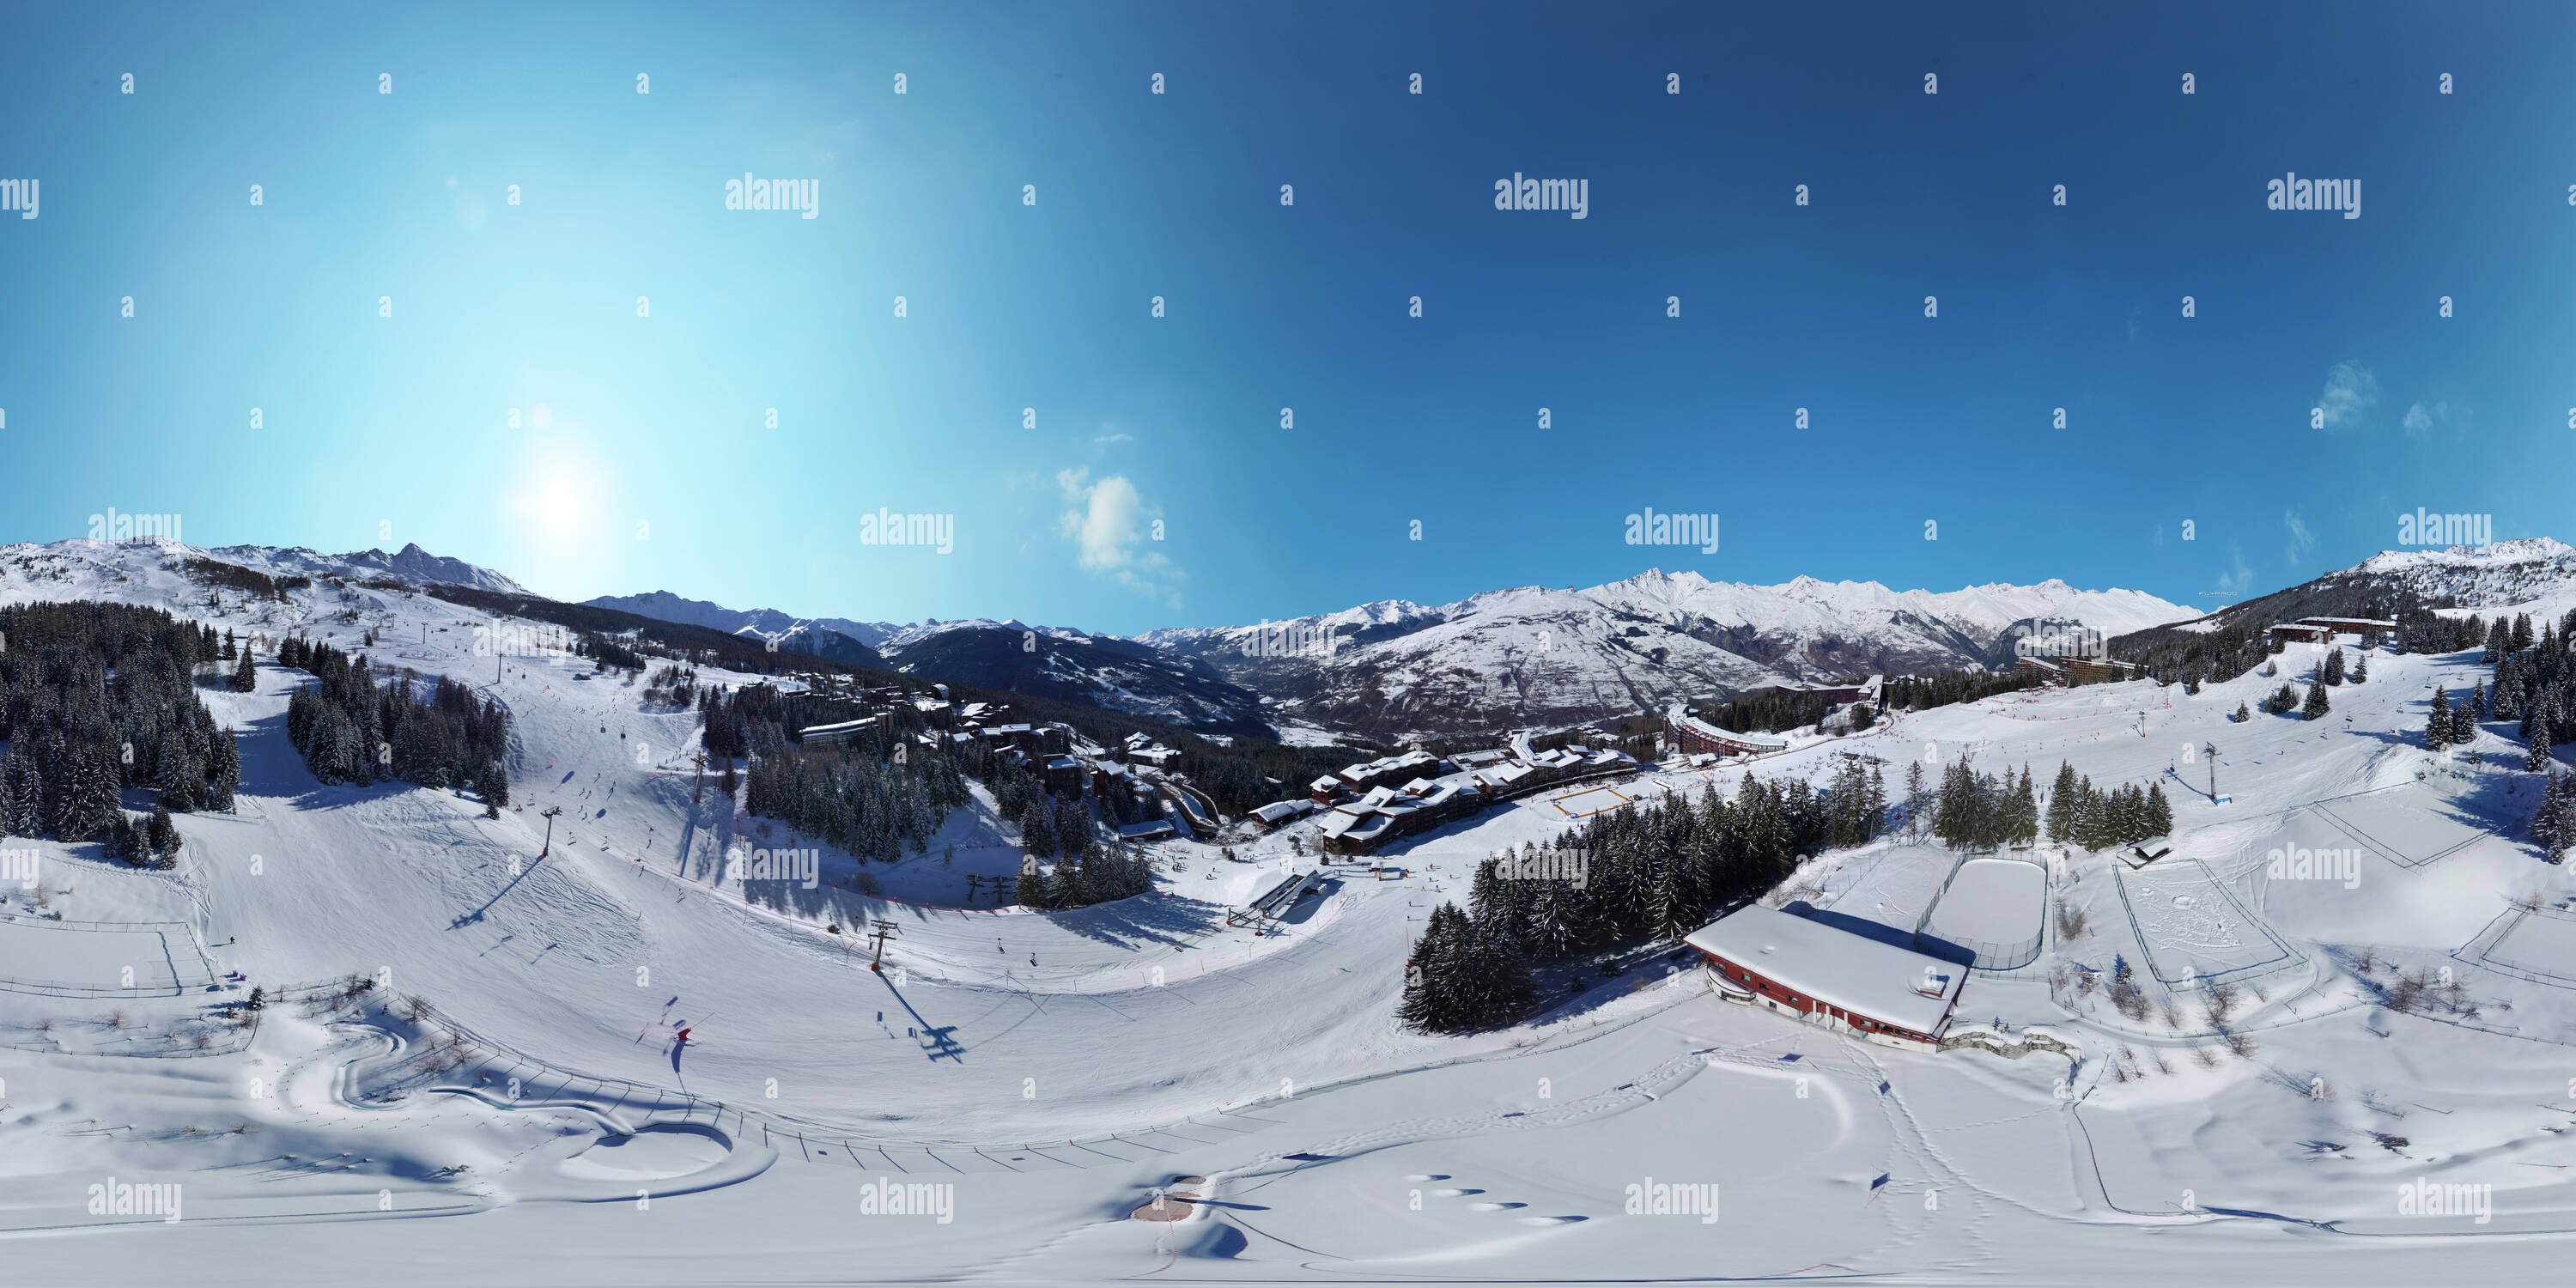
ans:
(1054, 1069)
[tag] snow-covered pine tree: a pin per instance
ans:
(2536, 758)
(2545, 820)
(2334, 666)
(1426, 1005)
(2437, 720)
(1915, 803)
(1505, 992)
(2316, 704)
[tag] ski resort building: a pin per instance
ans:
(1815, 972)
(1689, 733)
(847, 729)
(2322, 630)
(1865, 691)
(2082, 670)
(1389, 770)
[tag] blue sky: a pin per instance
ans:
(655, 466)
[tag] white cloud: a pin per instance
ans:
(1112, 438)
(2350, 391)
(2301, 540)
(2239, 579)
(1110, 525)
(2421, 419)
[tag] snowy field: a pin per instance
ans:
(1043, 1075)
(1994, 902)
(39, 955)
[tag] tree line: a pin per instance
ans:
(351, 729)
(96, 698)
(1625, 878)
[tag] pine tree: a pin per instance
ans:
(2316, 704)
(493, 786)
(2242, 715)
(2537, 758)
(245, 673)
(1031, 890)
(2061, 806)
(2437, 721)
(161, 834)
(1914, 800)
(2545, 821)
(2160, 816)
(2334, 666)
(1435, 977)
(2464, 721)
(2360, 670)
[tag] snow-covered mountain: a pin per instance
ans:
(2535, 575)
(769, 623)
(764, 623)
(411, 564)
(2503, 574)
(1535, 655)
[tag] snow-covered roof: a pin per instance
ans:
(1835, 966)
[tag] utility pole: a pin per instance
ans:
(698, 788)
(2211, 751)
(884, 931)
(549, 814)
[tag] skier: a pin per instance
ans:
(682, 1039)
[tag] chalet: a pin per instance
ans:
(1808, 970)
(1064, 776)
(1151, 830)
(1272, 815)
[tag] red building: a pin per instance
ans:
(1811, 971)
